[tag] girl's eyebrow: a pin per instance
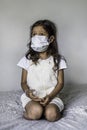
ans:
(40, 32)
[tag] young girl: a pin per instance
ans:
(42, 74)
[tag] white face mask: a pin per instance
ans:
(39, 43)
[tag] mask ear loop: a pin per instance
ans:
(51, 39)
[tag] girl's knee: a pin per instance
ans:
(26, 116)
(34, 111)
(37, 112)
(52, 113)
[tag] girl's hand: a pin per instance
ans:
(45, 100)
(30, 94)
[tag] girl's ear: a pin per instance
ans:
(51, 39)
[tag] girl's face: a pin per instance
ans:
(39, 30)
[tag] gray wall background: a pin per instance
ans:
(16, 16)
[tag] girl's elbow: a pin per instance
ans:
(23, 83)
(61, 84)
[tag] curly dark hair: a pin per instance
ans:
(52, 49)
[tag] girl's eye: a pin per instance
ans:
(33, 34)
(41, 34)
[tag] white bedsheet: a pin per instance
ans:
(74, 115)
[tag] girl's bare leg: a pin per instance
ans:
(52, 112)
(33, 111)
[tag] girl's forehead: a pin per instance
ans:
(39, 29)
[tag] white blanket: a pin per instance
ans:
(74, 115)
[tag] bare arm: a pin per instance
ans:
(56, 90)
(60, 84)
(26, 88)
(24, 80)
